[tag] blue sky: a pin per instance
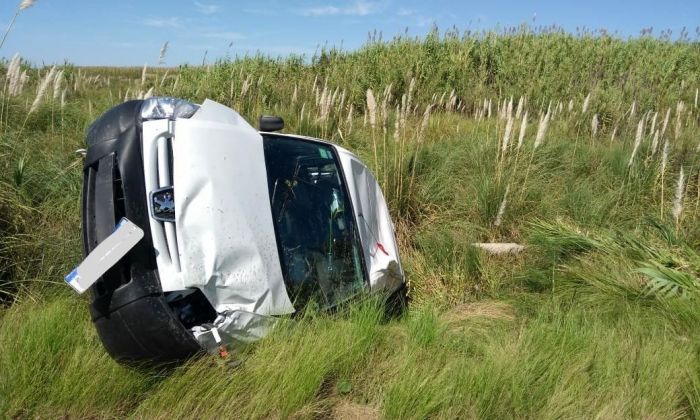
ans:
(89, 32)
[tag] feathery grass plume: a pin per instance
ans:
(301, 114)
(519, 109)
(294, 95)
(404, 104)
(246, 85)
(653, 123)
(633, 109)
(506, 134)
(13, 66)
(57, 85)
(12, 78)
(63, 98)
(397, 125)
(488, 114)
(594, 125)
(502, 208)
(386, 98)
(23, 78)
(655, 143)
(680, 107)
(126, 94)
(441, 102)
(324, 105)
(322, 97)
(424, 123)
(571, 105)
(637, 141)
(335, 96)
(541, 129)
(523, 129)
(613, 135)
(148, 94)
(143, 74)
(409, 99)
(41, 92)
(452, 102)
(696, 97)
(163, 52)
(26, 4)
(678, 199)
(664, 157)
(665, 124)
(165, 77)
(371, 108)
(586, 102)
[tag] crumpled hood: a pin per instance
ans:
(226, 238)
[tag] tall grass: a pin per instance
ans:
(596, 318)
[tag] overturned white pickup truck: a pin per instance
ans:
(238, 226)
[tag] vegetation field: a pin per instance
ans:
(582, 148)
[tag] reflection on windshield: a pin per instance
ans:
(318, 245)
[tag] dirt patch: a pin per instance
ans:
(487, 310)
(353, 411)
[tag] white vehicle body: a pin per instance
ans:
(223, 238)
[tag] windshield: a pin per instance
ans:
(318, 245)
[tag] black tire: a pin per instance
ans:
(397, 303)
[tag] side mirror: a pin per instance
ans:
(271, 123)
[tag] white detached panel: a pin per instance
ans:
(224, 225)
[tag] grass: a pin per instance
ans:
(596, 318)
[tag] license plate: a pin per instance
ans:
(125, 236)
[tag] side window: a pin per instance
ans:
(317, 240)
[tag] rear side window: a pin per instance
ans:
(317, 239)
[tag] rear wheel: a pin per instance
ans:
(397, 302)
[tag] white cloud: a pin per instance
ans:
(406, 12)
(359, 8)
(170, 22)
(229, 36)
(207, 9)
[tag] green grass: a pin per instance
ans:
(597, 318)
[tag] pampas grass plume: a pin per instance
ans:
(523, 129)
(637, 141)
(41, 92)
(371, 108)
(678, 199)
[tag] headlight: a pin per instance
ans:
(158, 108)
